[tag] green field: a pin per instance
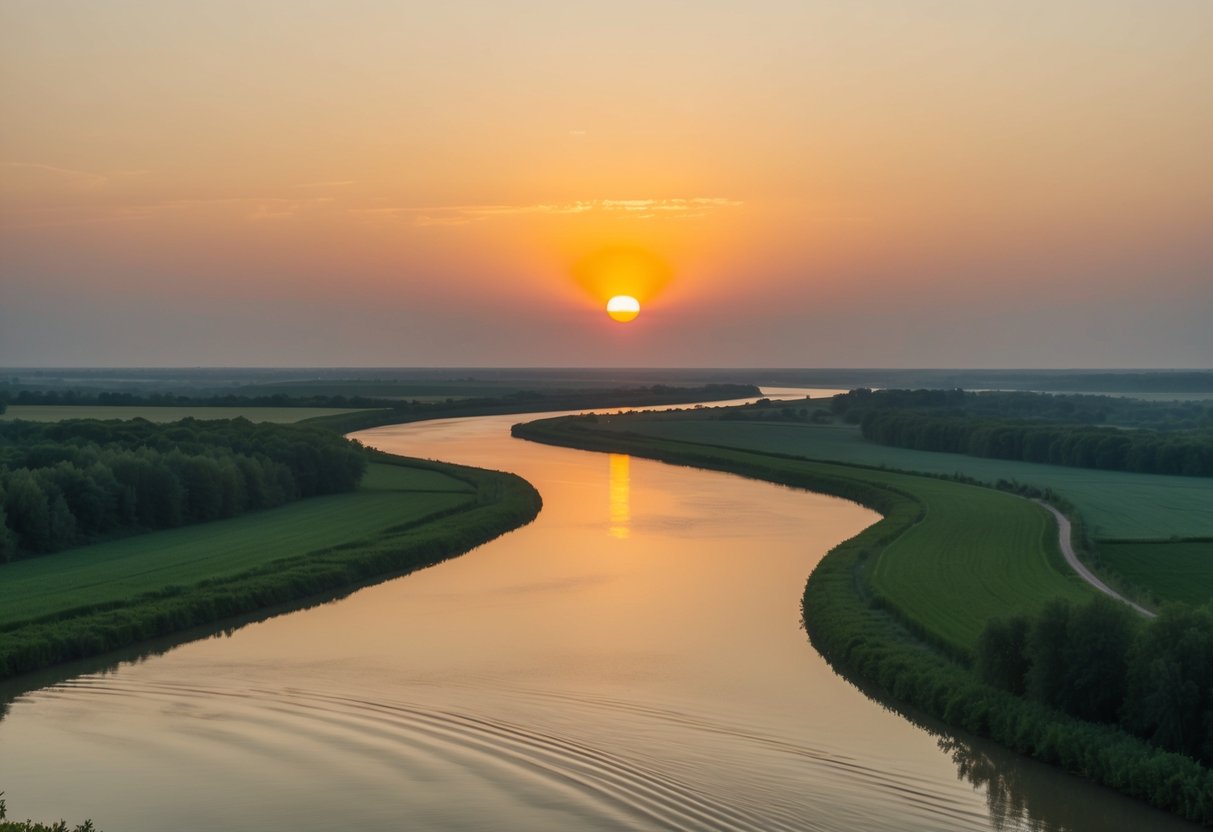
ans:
(56, 413)
(976, 553)
(113, 571)
(1169, 570)
(1114, 504)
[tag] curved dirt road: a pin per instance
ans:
(1063, 539)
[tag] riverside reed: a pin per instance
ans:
(863, 631)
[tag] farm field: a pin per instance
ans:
(389, 496)
(1169, 570)
(977, 554)
(1115, 504)
(55, 413)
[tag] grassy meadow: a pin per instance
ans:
(1169, 570)
(56, 413)
(1114, 504)
(108, 572)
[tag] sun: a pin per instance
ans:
(623, 308)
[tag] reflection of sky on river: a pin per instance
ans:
(560, 677)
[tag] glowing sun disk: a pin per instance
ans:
(623, 308)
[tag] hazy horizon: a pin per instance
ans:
(876, 184)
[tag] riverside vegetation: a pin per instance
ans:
(76, 482)
(908, 608)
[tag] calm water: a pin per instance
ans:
(632, 660)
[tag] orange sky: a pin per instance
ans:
(934, 183)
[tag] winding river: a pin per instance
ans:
(631, 660)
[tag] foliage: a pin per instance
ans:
(31, 826)
(1188, 453)
(68, 483)
(1057, 408)
(863, 636)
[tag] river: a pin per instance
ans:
(631, 660)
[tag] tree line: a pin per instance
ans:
(1099, 662)
(1073, 409)
(64, 484)
(1187, 453)
(591, 397)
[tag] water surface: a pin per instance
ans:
(631, 660)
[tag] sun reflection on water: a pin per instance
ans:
(620, 486)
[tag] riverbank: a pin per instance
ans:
(868, 631)
(61, 624)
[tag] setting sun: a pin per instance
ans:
(623, 308)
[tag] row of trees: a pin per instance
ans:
(67, 483)
(1071, 409)
(1189, 453)
(1101, 663)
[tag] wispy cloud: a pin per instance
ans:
(70, 176)
(334, 183)
(638, 209)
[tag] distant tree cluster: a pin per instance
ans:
(1069, 409)
(1034, 427)
(1188, 453)
(118, 399)
(1099, 662)
(67, 483)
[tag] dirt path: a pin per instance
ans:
(1063, 539)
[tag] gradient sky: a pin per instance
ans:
(932, 183)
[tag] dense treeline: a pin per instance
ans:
(533, 402)
(67, 483)
(604, 397)
(1187, 453)
(858, 635)
(1043, 407)
(1100, 662)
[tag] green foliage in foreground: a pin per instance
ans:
(501, 502)
(31, 826)
(1168, 570)
(1102, 663)
(867, 638)
(1114, 504)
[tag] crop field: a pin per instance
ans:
(390, 495)
(55, 413)
(976, 554)
(1171, 570)
(1115, 504)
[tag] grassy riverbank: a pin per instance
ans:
(927, 577)
(409, 514)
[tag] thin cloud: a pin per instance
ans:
(638, 209)
(335, 183)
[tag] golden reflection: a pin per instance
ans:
(621, 514)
